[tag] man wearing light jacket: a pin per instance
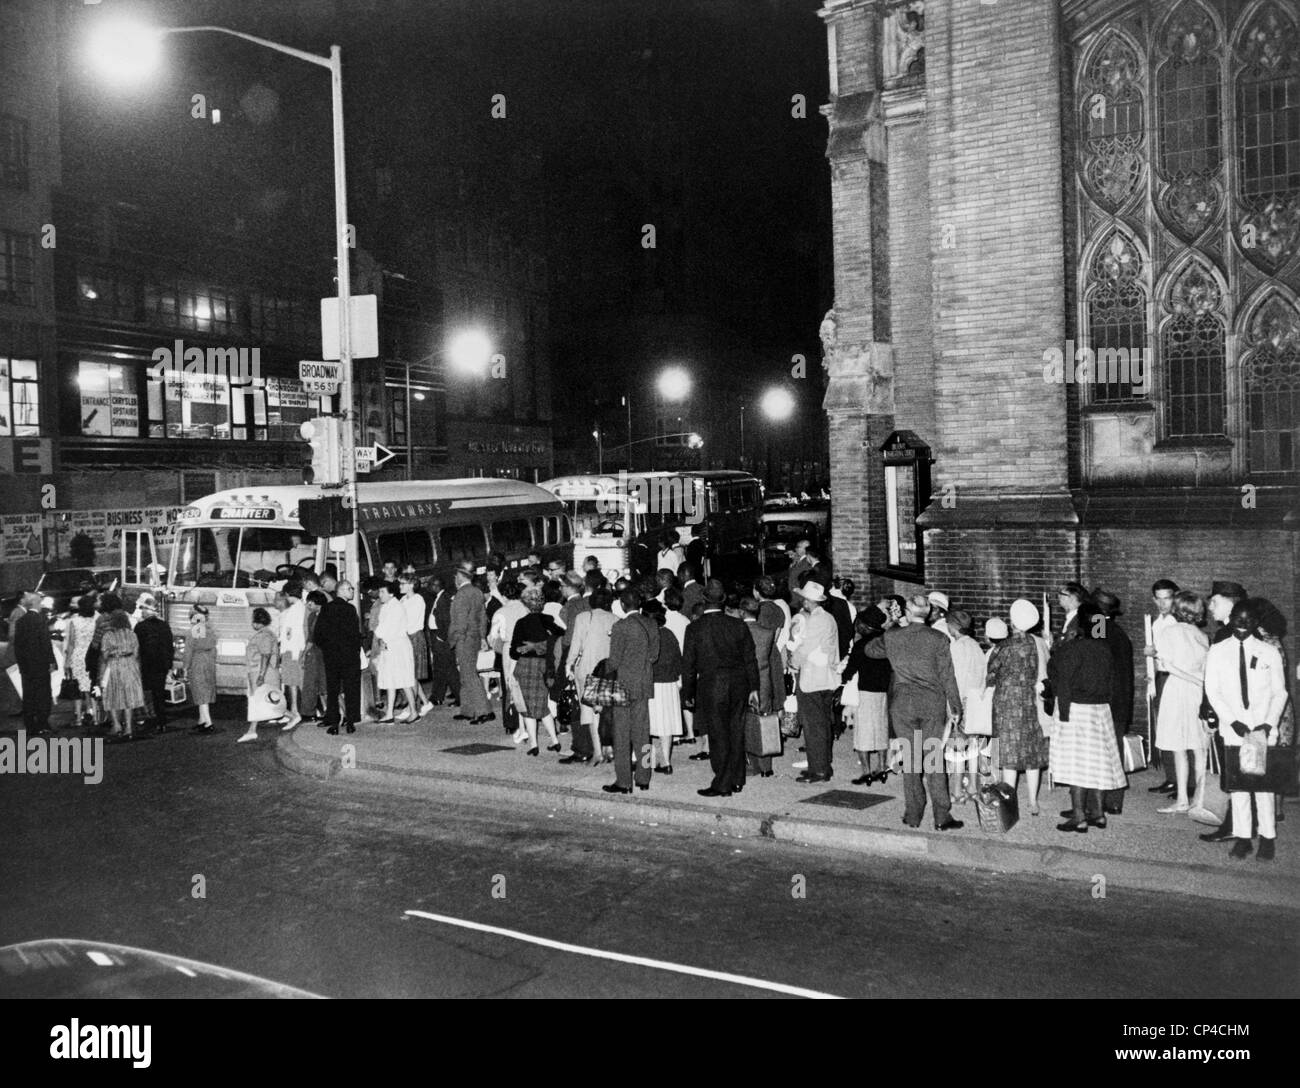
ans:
(1245, 684)
(814, 653)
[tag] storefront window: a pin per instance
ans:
(110, 403)
(19, 398)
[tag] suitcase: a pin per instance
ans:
(1280, 772)
(762, 734)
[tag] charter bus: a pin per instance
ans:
(234, 548)
(619, 518)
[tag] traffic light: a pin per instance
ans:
(326, 517)
(325, 436)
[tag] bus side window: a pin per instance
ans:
(460, 542)
(512, 537)
(540, 535)
(409, 546)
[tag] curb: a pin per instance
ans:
(985, 854)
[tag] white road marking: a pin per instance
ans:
(620, 957)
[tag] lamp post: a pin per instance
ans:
(469, 351)
(125, 46)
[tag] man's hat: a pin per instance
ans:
(813, 591)
(146, 603)
(715, 592)
(939, 600)
(1234, 590)
(1106, 601)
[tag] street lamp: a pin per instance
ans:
(674, 383)
(470, 352)
(777, 404)
(124, 49)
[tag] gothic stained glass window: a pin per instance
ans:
(1117, 320)
(1271, 368)
(1192, 346)
(1268, 138)
(1188, 120)
(1114, 135)
(1220, 204)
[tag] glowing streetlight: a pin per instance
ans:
(674, 383)
(777, 404)
(470, 352)
(694, 441)
(124, 50)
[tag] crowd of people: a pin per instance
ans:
(632, 669)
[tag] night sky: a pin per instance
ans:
(619, 113)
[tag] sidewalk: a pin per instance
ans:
(450, 760)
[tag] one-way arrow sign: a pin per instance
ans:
(369, 458)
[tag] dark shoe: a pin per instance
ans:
(862, 780)
(1099, 822)
(711, 792)
(1267, 848)
(533, 751)
(1219, 835)
(685, 740)
(200, 728)
(699, 755)
(614, 787)
(762, 774)
(908, 823)
(810, 779)
(461, 718)
(1112, 810)
(576, 759)
(553, 747)
(348, 727)
(950, 825)
(322, 724)
(737, 789)
(488, 717)
(643, 785)
(664, 770)
(1164, 787)
(1070, 825)
(1242, 848)
(1067, 813)
(878, 776)
(333, 730)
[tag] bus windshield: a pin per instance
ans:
(605, 516)
(225, 557)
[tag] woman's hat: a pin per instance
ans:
(1024, 615)
(995, 629)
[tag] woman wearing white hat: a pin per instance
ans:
(1013, 675)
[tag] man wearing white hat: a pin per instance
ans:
(814, 653)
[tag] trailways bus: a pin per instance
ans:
(235, 548)
(619, 518)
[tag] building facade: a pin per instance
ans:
(1066, 334)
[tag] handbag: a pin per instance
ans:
(791, 726)
(69, 689)
(486, 661)
(602, 692)
(567, 707)
(997, 807)
(769, 728)
(1280, 772)
(978, 719)
(849, 692)
(265, 703)
(1135, 752)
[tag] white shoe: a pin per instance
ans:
(291, 724)
(1176, 807)
(519, 738)
(250, 735)
(407, 717)
(426, 709)
(802, 765)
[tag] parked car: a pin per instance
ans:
(784, 528)
(58, 589)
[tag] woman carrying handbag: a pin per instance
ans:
(262, 661)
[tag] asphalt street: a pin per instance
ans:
(309, 882)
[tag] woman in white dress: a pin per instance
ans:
(395, 664)
(590, 646)
(1181, 649)
(81, 633)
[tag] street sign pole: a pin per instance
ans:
(351, 553)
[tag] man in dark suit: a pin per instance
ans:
(337, 635)
(923, 696)
(719, 671)
(466, 626)
(34, 654)
(446, 677)
(633, 650)
(157, 657)
(802, 563)
(1121, 692)
(692, 591)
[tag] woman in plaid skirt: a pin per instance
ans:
(1083, 751)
